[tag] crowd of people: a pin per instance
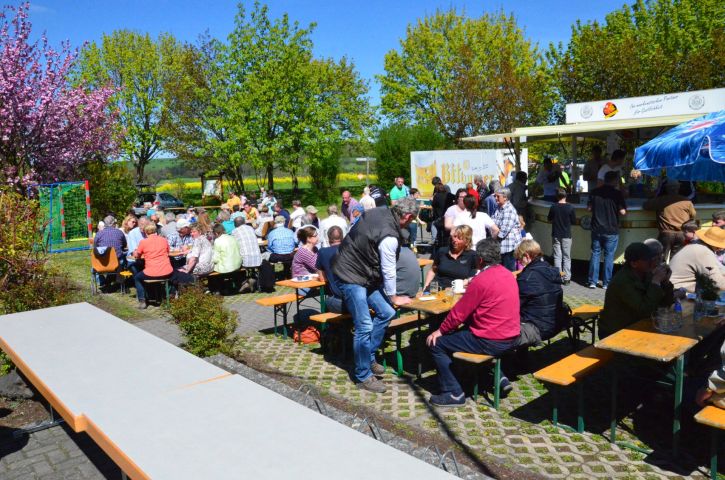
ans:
(365, 251)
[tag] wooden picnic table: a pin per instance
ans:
(309, 284)
(442, 304)
(642, 340)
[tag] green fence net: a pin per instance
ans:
(66, 213)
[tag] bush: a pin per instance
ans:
(26, 281)
(206, 324)
(112, 188)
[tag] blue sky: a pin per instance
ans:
(361, 30)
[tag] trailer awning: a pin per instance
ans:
(588, 129)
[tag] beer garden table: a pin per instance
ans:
(442, 304)
(642, 340)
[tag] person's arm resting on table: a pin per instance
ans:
(458, 315)
(387, 248)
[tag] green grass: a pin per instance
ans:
(77, 267)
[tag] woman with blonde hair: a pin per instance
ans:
(455, 262)
(202, 219)
(540, 294)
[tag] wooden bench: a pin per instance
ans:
(125, 276)
(570, 370)
(714, 418)
(222, 278)
(326, 318)
(477, 360)
(397, 326)
(159, 281)
(584, 317)
(280, 303)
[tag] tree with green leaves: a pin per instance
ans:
(466, 76)
(261, 102)
(394, 143)
(138, 68)
(648, 48)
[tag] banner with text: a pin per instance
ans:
(682, 103)
(456, 168)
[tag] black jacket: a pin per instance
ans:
(358, 260)
(540, 295)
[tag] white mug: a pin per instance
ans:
(457, 286)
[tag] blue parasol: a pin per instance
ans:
(694, 150)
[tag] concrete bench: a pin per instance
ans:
(280, 304)
(160, 412)
(477, 360)
(572, 370)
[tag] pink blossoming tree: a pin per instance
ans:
(48, 127)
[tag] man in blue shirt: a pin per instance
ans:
(280, 242)
(324, 269)
(278, 210)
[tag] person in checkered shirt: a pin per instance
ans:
(507, 220)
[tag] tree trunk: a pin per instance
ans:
(140, 167)
(295, 185)
(270, 177)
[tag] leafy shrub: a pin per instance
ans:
(206, 324)
(26, 281)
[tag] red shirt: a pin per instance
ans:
(155, 252)
(490, 306)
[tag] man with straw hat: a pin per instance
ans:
(699, 258)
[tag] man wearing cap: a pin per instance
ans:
(280, 242)
(673, 210)
(635, 291)
(311, 217)
(332, 220)
(700, 258)
(179, 239)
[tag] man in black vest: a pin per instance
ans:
(365, 269)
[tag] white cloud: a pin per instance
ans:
(35, 8)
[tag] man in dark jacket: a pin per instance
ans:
(365, 269)
(540, 295)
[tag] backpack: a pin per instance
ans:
(308, 335)
(266, 277)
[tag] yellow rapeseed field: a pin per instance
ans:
(280, 182)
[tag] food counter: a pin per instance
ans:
(636, 226)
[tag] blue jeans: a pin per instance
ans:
(413, 230)
(509, 261)
(600, 242)
(369, 331)
(463, 341)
